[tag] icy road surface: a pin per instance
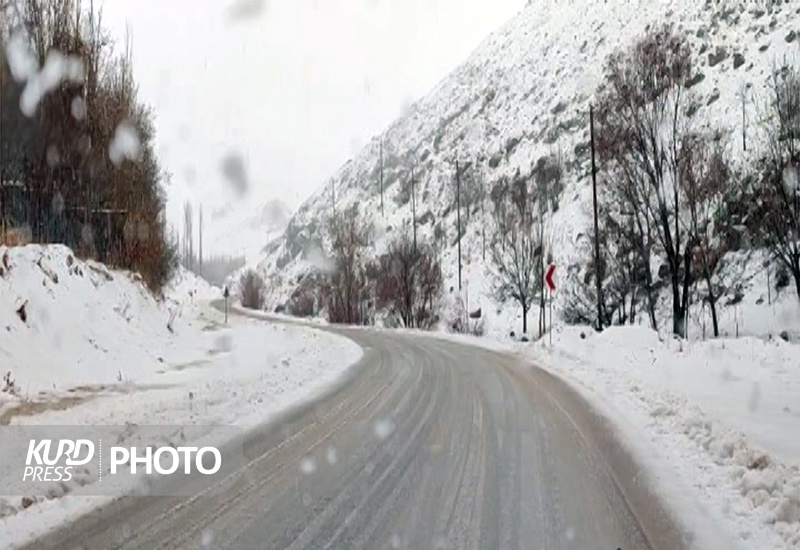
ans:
(426, 444)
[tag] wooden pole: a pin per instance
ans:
(413, 210)
(458, 217)
(598, 274)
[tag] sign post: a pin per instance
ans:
(551, 269)
(225, 293)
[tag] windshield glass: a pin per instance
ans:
(399, 274)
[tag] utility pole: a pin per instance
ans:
(381, 171)
(333, 198)
(413, 210)
(481, 175)
(458, 217)
(744, 116)
(200, 238)
(598, 274)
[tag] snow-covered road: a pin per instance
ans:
(94, 349)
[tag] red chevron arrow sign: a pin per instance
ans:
(549, 277)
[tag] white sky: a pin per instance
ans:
(296, 90)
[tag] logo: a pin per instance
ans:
(153, 460)
(110, 460)
(44, 457)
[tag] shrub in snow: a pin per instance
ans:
(9, 386)
(252, 290)
(408, 281)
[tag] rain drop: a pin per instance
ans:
(57, 205)
(78, 108)
(383, 428)
(53, 156)
(86, 234)
(308, 465)
(234, 171)
(124, 145)
(330, 455)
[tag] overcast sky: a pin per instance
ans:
(295, 87)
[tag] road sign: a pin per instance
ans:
(549, 277)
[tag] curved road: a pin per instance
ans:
(426, 444)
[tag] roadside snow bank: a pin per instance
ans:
(94, 347)
(66, 323)
(723, 417)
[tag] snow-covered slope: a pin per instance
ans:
(68, 322)
(522, 95)
(82, 344)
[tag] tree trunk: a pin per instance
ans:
(712, 301)
(796, 274)
(524, 320)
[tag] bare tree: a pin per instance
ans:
(514, 253)
(409, 279)
(349, 234)
(548, 176)
(251, 287)
(705, 175)
(641, 128)
(112, 211)
(780, 177)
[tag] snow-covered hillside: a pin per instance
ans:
(68, 322)
(82, 344)
(525, 94)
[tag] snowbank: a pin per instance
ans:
(94, 347)
(720, 419)
(68, 323)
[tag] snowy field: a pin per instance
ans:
(95, 348)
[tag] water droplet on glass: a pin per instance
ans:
(242, 10)
(330, 455)
(86, 234)
(57, 205)
(78, 108)
(53, 156)
(207, 538)
(124, 145)
(570, 533)
(143, 232)
(84, 144)
(234, 171)
(308, 465)
(383, 428)
(395, 540)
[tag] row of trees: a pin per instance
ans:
(78, 165)
(405, 281)
(522, 211)
(669, 193)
